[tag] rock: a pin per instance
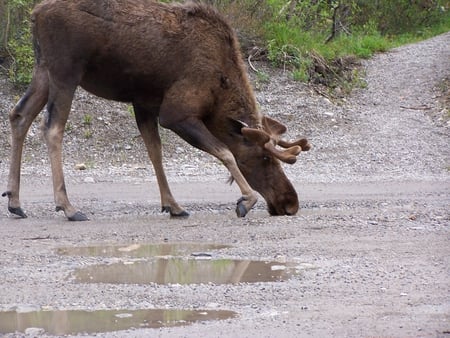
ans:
(80, 166)
(34, 331)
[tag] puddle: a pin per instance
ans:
(89, 322)
(141, 250)
(185, 271)
(174, 263)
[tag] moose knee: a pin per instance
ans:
(52, 134)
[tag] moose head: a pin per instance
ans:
(259, 154)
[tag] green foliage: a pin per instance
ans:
(69, 127)
(15, 36)
(398, 17)
(247, 17)
(87, 119)
(131, 111)
(262, 77)
(301, 74)
(22, 56)
(88, 134)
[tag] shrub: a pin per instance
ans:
(22, 57)
(16, 39)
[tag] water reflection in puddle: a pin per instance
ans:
(168, 263)
(141, 250)
(185, 271)
(88, 322)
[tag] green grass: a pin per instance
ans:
(422, 33)
(299, 51)
(288, 43)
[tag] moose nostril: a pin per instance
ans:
(291, 208)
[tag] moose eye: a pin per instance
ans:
(266, 158)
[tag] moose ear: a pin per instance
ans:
(273, 127)
(256, 136)
(236, 126)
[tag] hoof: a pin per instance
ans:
(14, 210)
(78, 217)
(181, 214)
(241, 210)
(18, 212)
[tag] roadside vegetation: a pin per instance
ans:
(318, 41)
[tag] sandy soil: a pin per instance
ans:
(371, 242)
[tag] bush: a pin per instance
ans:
(398, 17)
(21, 52)
(247, 17)
(16, 39)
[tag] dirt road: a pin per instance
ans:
(370, 246)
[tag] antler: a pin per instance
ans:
(269, 138)
(289, 155)
(276, 129)
(303, 143)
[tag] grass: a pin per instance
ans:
(87, 119)
(423, 33)
(309, 57)
(88, 134)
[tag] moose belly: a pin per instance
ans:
(112, 83)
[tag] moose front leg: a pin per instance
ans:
(197, 134)
(249, 197)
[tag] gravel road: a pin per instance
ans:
(371, 243)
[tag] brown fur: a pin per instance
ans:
(179, 65)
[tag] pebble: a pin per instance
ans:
(80, 166)
(34, 331)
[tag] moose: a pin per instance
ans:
(180, 66)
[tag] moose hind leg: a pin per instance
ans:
(58, 108)
(21, 117)
(146, 119)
